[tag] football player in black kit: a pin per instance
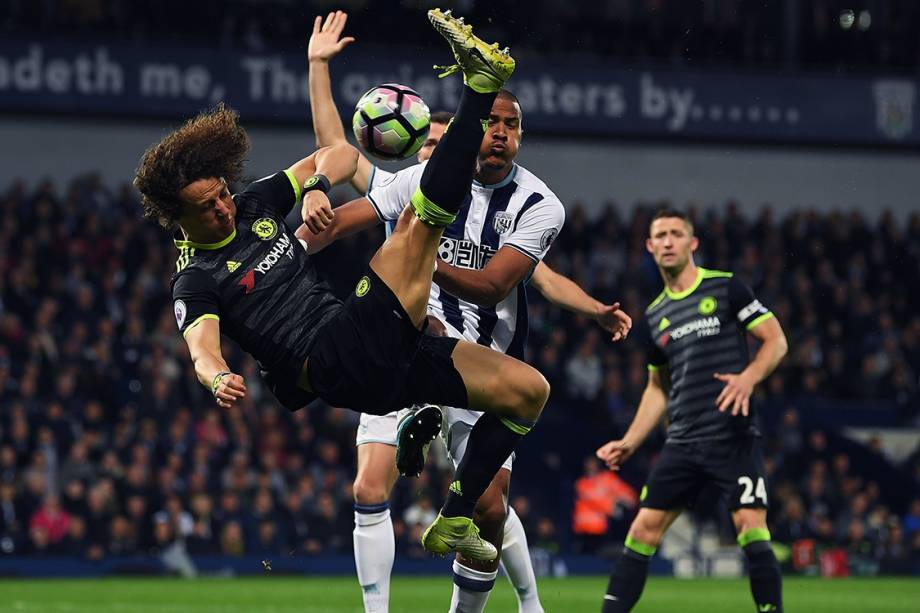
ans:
(239, 273)
(701, 376)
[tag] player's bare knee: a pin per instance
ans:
(646, 532)
(531, 393)
(749, 519)
(369, 491)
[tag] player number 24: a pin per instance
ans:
(758, 492)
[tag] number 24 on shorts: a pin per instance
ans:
(751, 493)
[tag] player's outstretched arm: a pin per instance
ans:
(330, 165)
(565, 293)
(651, 410)
(204, 346)
(336, 162)
(350, 218)
(326, 42)
(738, 387)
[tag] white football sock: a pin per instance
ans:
(515, 561)
(471, 589)
(375, 549)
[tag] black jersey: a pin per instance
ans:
(259, 282)
(695, 334)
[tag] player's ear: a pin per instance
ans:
(648, 245)
(694, 244)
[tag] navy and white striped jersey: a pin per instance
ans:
(520, 212)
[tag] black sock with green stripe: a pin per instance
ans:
(447, 177)
(490, 443)
(763, 569)
(628, 578)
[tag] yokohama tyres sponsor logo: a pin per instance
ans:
(708, 326)
(281, 248)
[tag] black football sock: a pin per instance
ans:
(628, 578)
(763, 569)
(491, 441)
(446, 179)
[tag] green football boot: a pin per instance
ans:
(458, 534)
(485, 67)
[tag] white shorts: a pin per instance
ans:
(378, 429)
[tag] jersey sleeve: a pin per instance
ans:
(655, 357)
(195, 299)
(537, 225)
(745, 306)
(279, 192)
(390, 193)
(378, 177)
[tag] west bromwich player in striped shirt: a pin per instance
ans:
(520, 212)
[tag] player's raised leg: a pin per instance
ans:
(512, 394)
(763, 569)
(406, 260)
(628, 578)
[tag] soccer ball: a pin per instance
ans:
(391, 121)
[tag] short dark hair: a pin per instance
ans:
(507, 95)
(441, 117)
(213, 144)
(669, 212)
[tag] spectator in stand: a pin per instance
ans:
(51, 519)
(599, 496)
(912, 519)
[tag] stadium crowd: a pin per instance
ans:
(817, 34)
(108, 444)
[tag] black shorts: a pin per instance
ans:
(681, 472)
(371, 358)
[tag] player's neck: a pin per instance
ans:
(490, 176)
(204, 237)
(681, 280)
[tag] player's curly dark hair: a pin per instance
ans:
(213, 144)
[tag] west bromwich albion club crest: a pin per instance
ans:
(894, 108)
(502, 222)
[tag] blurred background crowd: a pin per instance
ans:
(109, 446)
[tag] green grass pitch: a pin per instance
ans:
(271, 594)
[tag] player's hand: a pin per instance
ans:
(736, 394)
(613, 320)
(229, 389)
(326, 41)
(317, 211)
(615, 453)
